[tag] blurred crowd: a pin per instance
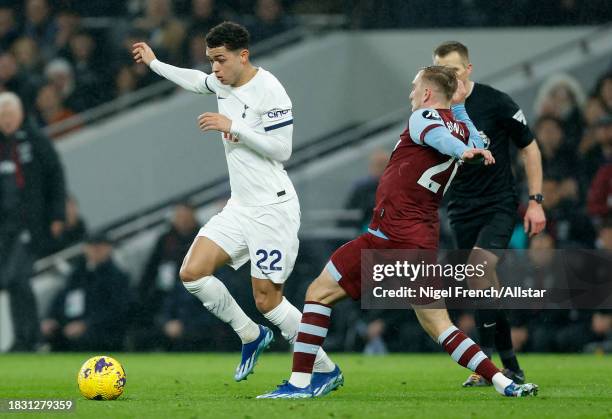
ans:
(61, 62)
(67, 56)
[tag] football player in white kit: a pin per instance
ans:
(261, 220)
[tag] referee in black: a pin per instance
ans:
(483, 201)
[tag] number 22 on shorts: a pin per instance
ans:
(274, 257)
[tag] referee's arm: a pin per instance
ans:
(534, 220)
(516, 124)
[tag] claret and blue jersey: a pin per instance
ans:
(420, 170)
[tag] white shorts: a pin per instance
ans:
(267, 235)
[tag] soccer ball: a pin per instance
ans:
(101, 378)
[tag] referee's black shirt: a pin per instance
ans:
(500, 119)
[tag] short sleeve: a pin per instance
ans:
(421, 122)
(514, 122)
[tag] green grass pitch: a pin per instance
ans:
(397, 386)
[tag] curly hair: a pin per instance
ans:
(229, 34)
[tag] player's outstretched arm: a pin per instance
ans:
(193, 80)
(458, 109)
(426, 127)
(461, 114)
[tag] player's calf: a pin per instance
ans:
(267, 294)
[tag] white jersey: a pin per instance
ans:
(261, 132)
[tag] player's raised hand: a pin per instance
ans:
(211, 121)
(477, 155)
(460, 93)
(143, 53)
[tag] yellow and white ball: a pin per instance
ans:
(101, 378)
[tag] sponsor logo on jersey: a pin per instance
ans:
(431, 114)
(278, 113)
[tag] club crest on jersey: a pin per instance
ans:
(431, 114)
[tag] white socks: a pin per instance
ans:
(217, 299)
(300, 379)
(287, 318)
(500, 382)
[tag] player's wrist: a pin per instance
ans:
(235, 128)
(536, 199)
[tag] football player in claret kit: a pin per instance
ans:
(405, 217)
(261, 220)
(483, 200)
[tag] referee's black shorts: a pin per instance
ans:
(484, 223)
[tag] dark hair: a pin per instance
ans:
(229, 34)
(447, 47)
(443, 77)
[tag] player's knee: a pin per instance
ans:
(317, 291)
(189, 273)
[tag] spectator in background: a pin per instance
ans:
(75, 229)
(32, 198)
(601, 334)
(568, 222)
(599, 151)
(68, 23)
(535, 328)
(60, 74)
(161, 274)
(562, 97)
(184, 325)
(88, 77)
(594, 110)
(12, 80)
(604, 90)
(125, 81)
(556, 158)
(40, 26)
(51, 109)
(9, 31)
(363, 193)
(599, 201)
(196, 54)
(90, 312)
(165, 33)
(27, 54)
(141, 72)
(269, 20)
(204, 15)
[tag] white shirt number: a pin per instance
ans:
(427, 182)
